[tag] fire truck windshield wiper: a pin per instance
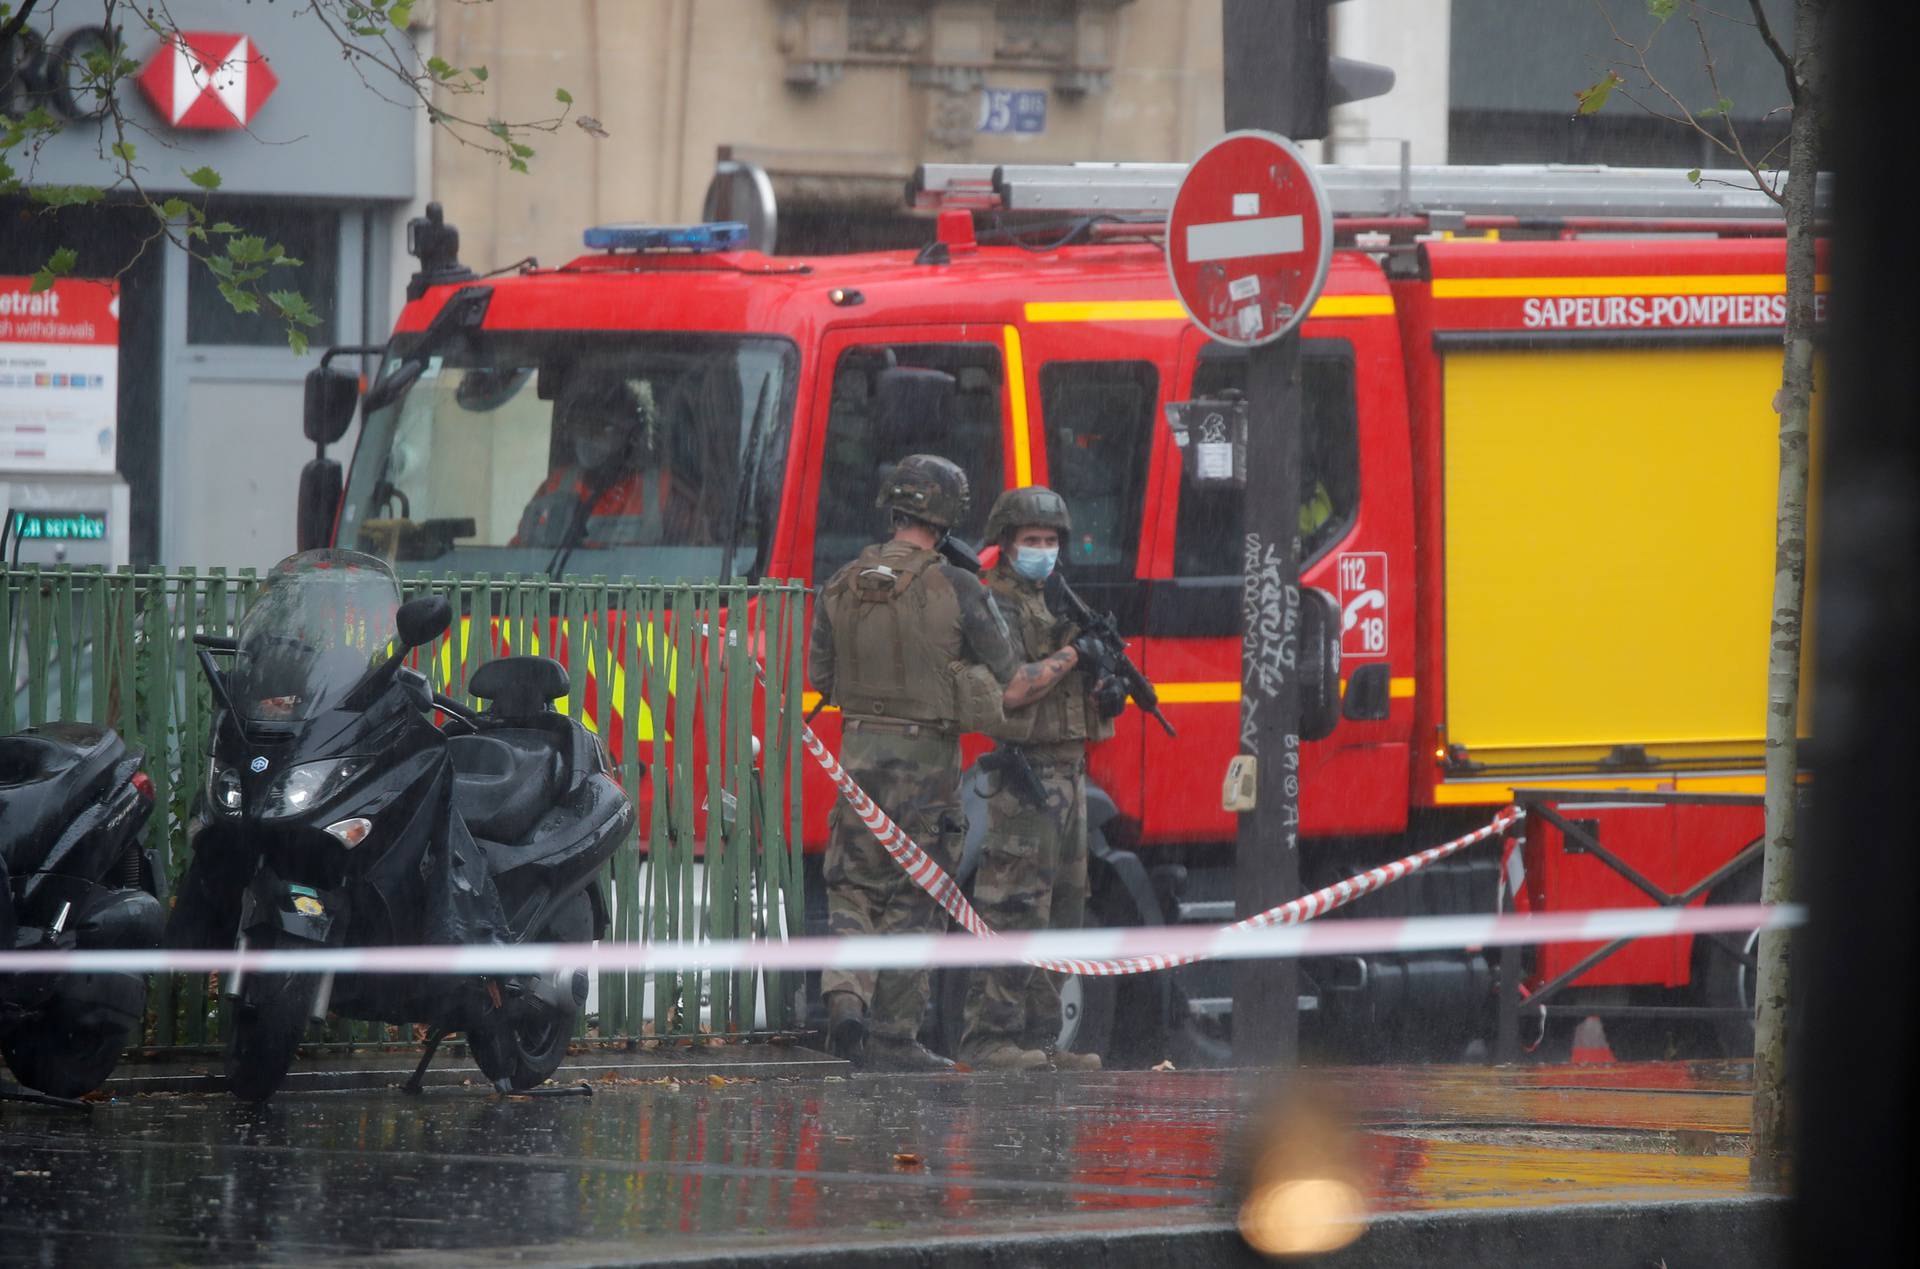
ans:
(744, 498)
(461, 314)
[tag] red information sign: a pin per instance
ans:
(1249, 238)
(59, 375)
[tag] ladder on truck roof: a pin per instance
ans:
(1444, 196)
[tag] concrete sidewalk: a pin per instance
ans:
(1620, 1165)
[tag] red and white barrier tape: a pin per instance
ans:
(931, 877)
(1168, 943)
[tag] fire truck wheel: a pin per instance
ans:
(1086, 1014)
(1722, 981)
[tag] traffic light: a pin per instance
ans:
(1293, 96)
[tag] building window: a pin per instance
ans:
(1098, 417)
(310, 235)
(892, 400)
(1207, 534)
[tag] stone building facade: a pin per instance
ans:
(838, 100)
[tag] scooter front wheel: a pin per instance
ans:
(264, 1029)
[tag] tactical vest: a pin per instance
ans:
(1067, 713)
(896, 635)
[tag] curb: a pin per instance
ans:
(1732, 1232)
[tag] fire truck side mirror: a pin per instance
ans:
(331, 396)
(320, 483)
(1319, 663)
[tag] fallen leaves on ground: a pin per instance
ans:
(1164, 1064)
(904, 1160)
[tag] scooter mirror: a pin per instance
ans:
(421, 621)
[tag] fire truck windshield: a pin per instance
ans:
(639, 454)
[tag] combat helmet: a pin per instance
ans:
(926, 487)
(1030, 505)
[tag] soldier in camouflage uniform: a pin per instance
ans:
(1033, 873)
(891, 633)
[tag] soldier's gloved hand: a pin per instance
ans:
(1110, 697)
(1092, 652)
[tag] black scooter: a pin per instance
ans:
(73, 800)
(337, 814)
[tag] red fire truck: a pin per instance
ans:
(1539, 480)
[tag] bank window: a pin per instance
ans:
(1207, 532)
(1098, 418)
(892, 400)
(310, 235)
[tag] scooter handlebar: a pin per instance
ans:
(446, 704)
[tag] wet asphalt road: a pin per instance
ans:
(657, 1168)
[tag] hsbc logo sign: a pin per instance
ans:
(208, 80)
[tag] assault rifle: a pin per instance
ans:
(1008, 761)
(959, 554)
(1106, 632)
(1015, 769)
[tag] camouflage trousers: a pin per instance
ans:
(1033, 876)
(915, 778)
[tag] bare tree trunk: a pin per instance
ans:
(1794, 402)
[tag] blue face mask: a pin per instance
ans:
(1035, 562)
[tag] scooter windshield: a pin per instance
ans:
(323, 621)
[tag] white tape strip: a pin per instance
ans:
(1182, 942)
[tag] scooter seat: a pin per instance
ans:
(518, 687)
(48, 774)
(504, 780)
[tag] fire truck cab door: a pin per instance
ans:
(883, 393)
(1093, 393)
(1356, 534)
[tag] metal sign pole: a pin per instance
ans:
(1262, 43)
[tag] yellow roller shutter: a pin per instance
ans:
(1609, 551)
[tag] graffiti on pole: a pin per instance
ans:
(1272, 607)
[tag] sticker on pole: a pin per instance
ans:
(1249, 239)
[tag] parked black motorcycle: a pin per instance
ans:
(73, 800)
(337, 814)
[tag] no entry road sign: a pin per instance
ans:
(1249, 238)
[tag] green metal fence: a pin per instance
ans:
(665, 674)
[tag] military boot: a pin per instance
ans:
(1005, 1055)
(846, 1025)
(889, 1053)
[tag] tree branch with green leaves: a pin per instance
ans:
(1630, 74)
(376, 40)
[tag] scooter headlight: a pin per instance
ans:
(299, 789)
(223, 788)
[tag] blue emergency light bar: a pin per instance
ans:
(723, 235)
